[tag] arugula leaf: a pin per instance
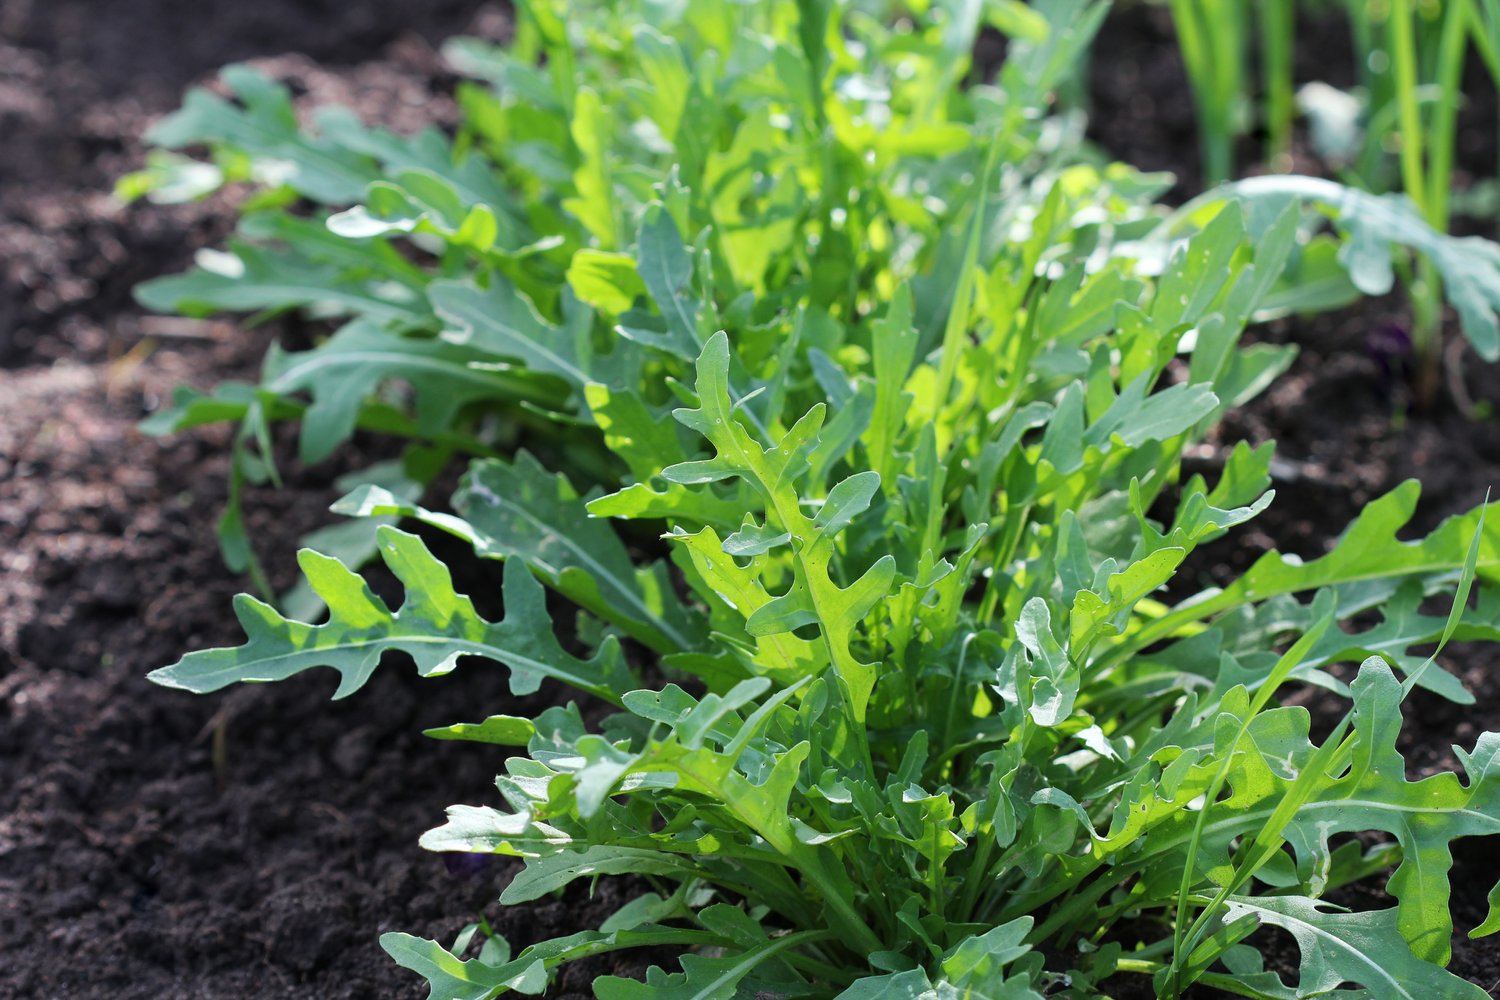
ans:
(814, 595)
(451, 979)
(345, 371)
(435, 627)
(518, 509)
(1360, 948)
(250, 278)
(498, 321)
(265, 127)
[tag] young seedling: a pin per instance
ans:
(1214, 43)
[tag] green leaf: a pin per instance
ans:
(353, 543)
(1370, 550)
(1361, 948)
(499, 321)
(894, 346)
(910, 985)
(518, 509)
(1372, 224)
(1054, 678)
(1424, 816)
(1138, 418)
(264, 125)
(594, 203)
(702, 978)
(1368, 560)
(342, 373)
(435, 627)
(506, 730)
(420, 200)
(251, 278)
(978, 961)
(449, 978)
(529, 973)
(845, 502)
(754, 540)
(666, 269)
(606, 281)
(782, 654)
(633, 430)
(814, 596)
(1014, 18)
(546, 875)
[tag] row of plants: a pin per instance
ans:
(842, 399)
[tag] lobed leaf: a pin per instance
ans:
(435, 627)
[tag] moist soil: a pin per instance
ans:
(144, 855)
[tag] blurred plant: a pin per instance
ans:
(1396, 133)
(1426, 152)
(1214, 39)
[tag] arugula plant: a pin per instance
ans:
(927, 724)
(894, 707)
(418, 245)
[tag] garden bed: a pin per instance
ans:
(135, 860)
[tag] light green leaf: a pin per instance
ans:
(634, 430)
(814, 596)
(506, 730)
(594, 204)
(607, 281)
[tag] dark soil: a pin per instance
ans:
(130, 865)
